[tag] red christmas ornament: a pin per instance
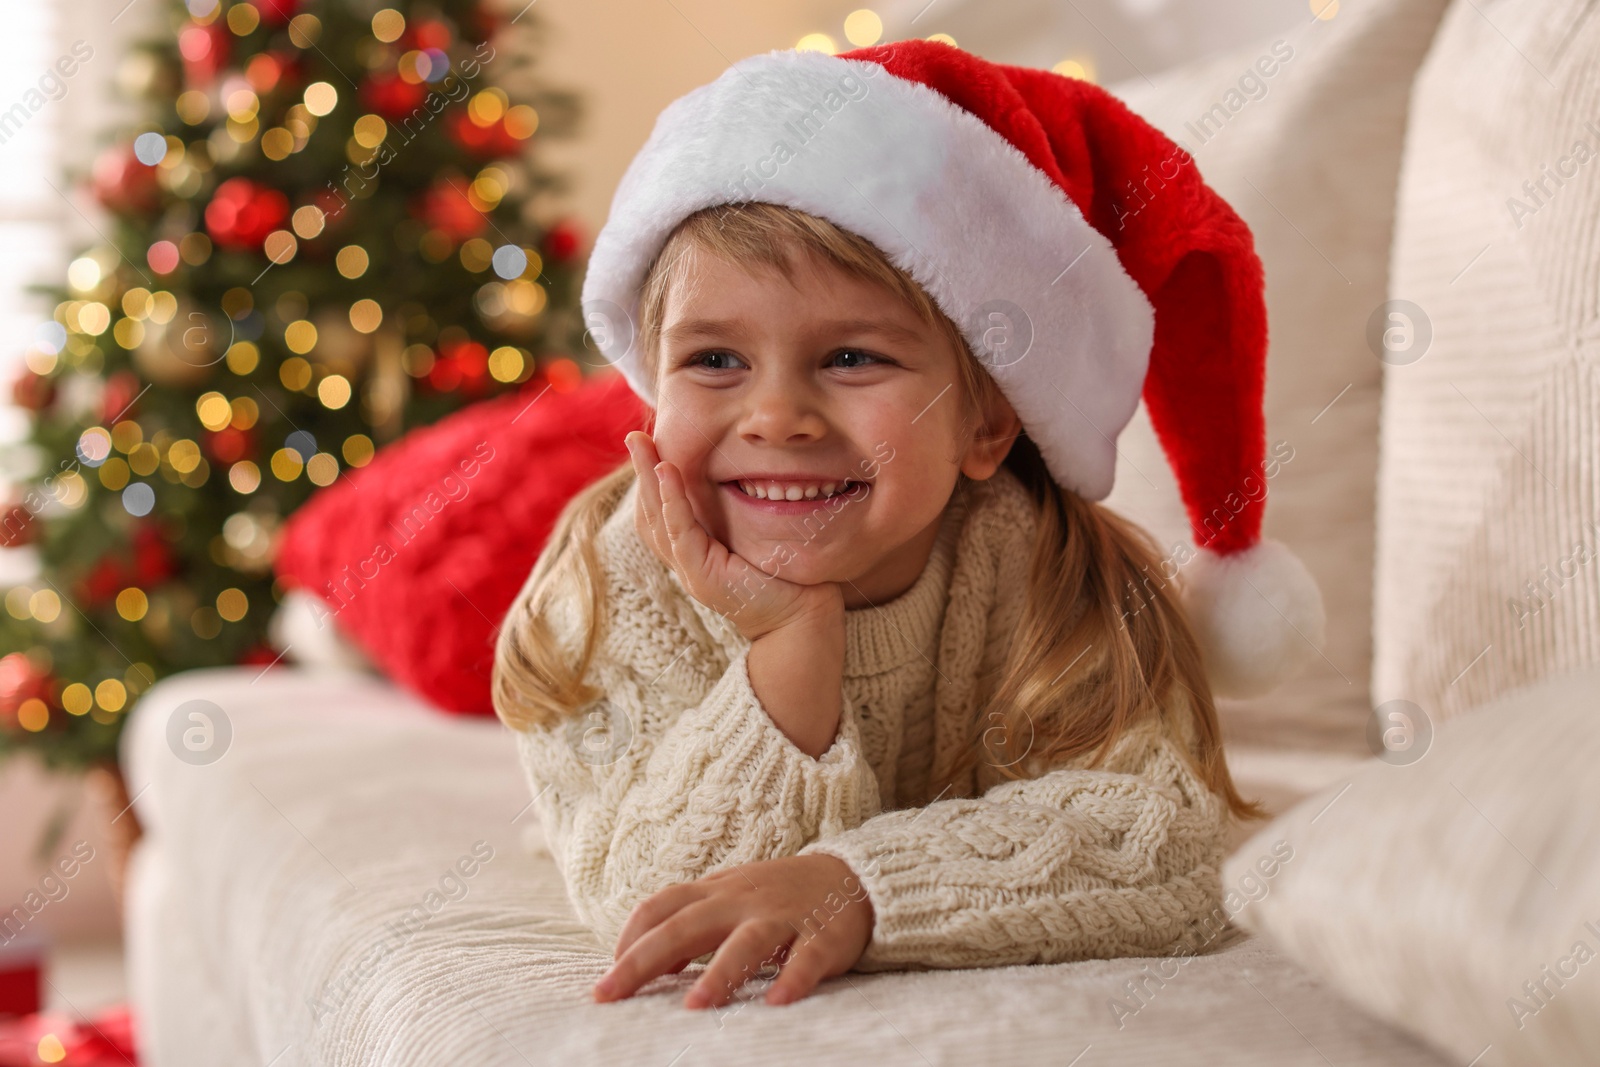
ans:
(123, 184)
(21, 681)
(483, 23)
(460, 365)
(428, 33)
(277, 12)
(391, 96)
(241, 213)
(17, 527)
(564, 374)
(472, 359)
(562, 241)
(153, 561)
(444, 375)
(205, 51)
(103, 582)
(34, 392)
(229, 445)
(263, 72)
(259, 655)
(120, 391)
(107, 1040)
(488, 142)
(445, 207)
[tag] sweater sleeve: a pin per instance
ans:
(1073, 864)
(636, 795)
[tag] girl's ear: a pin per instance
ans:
(993, 440)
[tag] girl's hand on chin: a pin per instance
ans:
(723, 581)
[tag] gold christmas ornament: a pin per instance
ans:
(185, 349)
(340, 346)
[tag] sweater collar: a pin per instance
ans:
(885, 636)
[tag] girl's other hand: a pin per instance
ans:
(763, 915)
(757, 603)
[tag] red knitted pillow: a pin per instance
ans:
(419, 554)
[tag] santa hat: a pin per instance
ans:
(1076, 246)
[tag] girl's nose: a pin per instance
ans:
(781, 410)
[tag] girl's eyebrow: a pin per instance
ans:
(690, 328)
(720, 328)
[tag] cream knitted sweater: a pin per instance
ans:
(678, 772)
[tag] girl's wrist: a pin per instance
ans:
(797, 673)
(820, 616)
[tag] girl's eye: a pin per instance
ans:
(854, 357)
(715, 360)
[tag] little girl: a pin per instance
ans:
(846, 668)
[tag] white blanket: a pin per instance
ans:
(303, 899)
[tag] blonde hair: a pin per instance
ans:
(1053, 701)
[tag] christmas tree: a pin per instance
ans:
(326, 232)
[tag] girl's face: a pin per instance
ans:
(817, 424)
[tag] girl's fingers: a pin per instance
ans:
(691, 932)
(654, 910)
(753, 947)
(666, 520)
(691, 545)
(807, 965)
(676, 510)
(643, 452)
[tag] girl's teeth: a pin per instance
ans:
(774, 491)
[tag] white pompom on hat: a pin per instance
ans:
(1076, 246)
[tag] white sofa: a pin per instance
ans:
(303, 899)
(279, 912)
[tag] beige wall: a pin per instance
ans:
(628, 59)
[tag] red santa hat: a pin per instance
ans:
(1076, 246)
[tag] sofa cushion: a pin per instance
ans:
(1453, 887)
(1489, 486)
(1302, 134)
(416, 557)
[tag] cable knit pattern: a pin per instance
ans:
(678, 772)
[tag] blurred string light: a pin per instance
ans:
(352, 261)
(366, 315)
(863, 27)
(243, 18)
(817, 42)
(321, 97)
(302, 443)
(150, 148)
(438, 64)
(944, 38)
(388, 25)
(83, 273)
(94, 446)
(138, 499)
(1324, 9)
(510, 261)
(50, 337)
(1081, 68)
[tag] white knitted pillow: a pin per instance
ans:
(1489, 486)
(1453, 888)
(1302, 135)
